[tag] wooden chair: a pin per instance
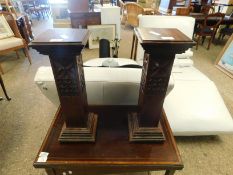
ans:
(13, 42)
(123, 11)
(209, 28)
(36, 7)
(207, 9)
(8, 5)
(183, 11)
(132, 12)
(225, 31)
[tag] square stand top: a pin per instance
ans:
(112, 152)
(62, 36)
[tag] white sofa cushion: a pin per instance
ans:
(10, 43)
(196, 108)
(104, 85)
(98, 62)
(188, 74)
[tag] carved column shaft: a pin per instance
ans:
(64, 48)
(154, 82)
(70, 83)
(160, 46)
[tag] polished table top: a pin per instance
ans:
(112, 149)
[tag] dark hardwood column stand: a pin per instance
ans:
(160, 47)
(64, 46)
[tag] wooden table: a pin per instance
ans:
(111, 153)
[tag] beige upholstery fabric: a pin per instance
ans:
(10, 42)
(5, 30)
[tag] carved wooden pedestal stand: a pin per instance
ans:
(160, 47)
(64, 47)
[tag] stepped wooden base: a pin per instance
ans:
(80, 134)
(143, 134)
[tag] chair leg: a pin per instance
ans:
(28, 55)
(3, 88)
(198, 39)
(203, 39)
(17, 54)
(210, 41)
(1, 70)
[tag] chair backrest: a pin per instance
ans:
(213, 20)
(183, 11)
(9, 6)
(11, 21)
(132, 11)
(122, 4)
(207, 9)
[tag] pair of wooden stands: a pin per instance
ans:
(110, 139)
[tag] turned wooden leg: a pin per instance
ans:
(28, 55)
(17, 54)
(132, 48)
(170, 172)
(3, 88)
(210, 41)
(198, 39)
(1, 70)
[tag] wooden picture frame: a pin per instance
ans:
(97, 32)
(224, 60)
(5, 30)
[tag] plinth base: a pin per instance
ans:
(143, 134)
(80, 134)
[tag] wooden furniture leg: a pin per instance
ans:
(1, 70)
(170, 172)
(3, 88)
(132, 48)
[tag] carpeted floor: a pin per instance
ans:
(24, 120)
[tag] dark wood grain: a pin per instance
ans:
(64, 48)
(158, 35)
(112, 151)
(83, 19)
(160, 46)
(62, 37)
